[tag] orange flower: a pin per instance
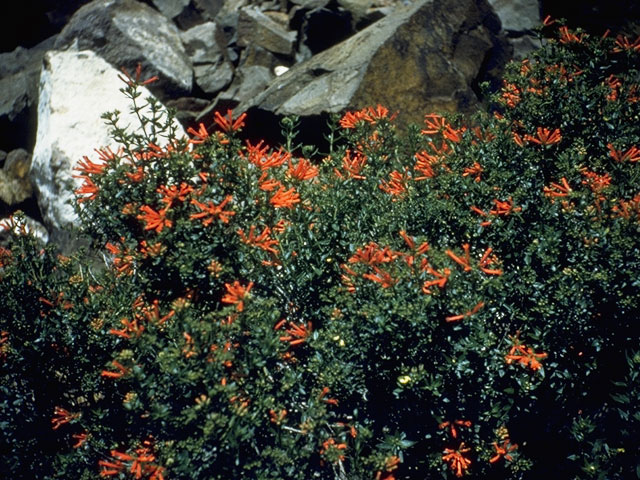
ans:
(425, 164)
(545, 136)
(297, 334)
(323, 397)
(595, 182)
(136, 81)
(504, 208)
(87, 188)
(131, 327)
(137, 176)
(631, 155)
(304, 170)
(154, 220)
(62, 416)
(452, 426)
(457, 461)
(475, 170)
(503, 451)
(435, 124)
(369, 114)
(210, 212)
(568, 37)
(275, 159)
(122, 371)
(397, 184)
(624, 44)
(524, 356)
(87, 167)
(556, 190)
(227, 123)
(263, 241)
(236, 293)
(285, 198)
(468, 313)
(152, 313)
(331, 444)
(464, 262)
(172, 193)
(199, 136)
(353, 166)
(487, 260)
(440, 280)
(81, 439)
(383, 278)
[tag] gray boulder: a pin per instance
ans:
(420, 58)
(127, 32)
(256, 28)
(76, 88)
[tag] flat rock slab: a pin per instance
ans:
(421, 58)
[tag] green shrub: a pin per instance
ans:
(451, 301)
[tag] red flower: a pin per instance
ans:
(304, 170)
(457, 461)
(285, 198)
(503, 451)
(545, 136)
(210, 212)
(236, 293)
(122, 371)
(154, 220)
(227, 123)
(263, 240)
(62, 416)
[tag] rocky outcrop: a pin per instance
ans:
(128, 32)
(425, 57)
(15, 185)
(269, 57)
(76, 88)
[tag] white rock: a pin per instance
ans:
(76, 88)
(280, 69)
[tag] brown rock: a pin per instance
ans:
(421, 58)
(254, 27)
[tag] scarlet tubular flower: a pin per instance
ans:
(457, 461)
(504, 208)
(631, 155)
(199, 136)
(227, 123)
(502, 451)
(154, 220)
(465, 261)
(435, 124)
(468, 313)
(87, 167)
(284, 198)
(172, 193)
(297, 334)
(475, 170)
(263, 240)
(304, 170)
(131, 328)
(87, 188)
(236, 293)
(440, 279)
(524, 355)
(624, 44)
(380, 276)
(569, 37)
(452, 426)
(122, 371)
(323, 397)
(426, 164)
(487, 260)
(557, 190)
(368, 114)
(210, 211)
(331, 444)
(81, 438)
(545, 136)
(397, 184)
(62, 416)
(353, 165)
(131, 81)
